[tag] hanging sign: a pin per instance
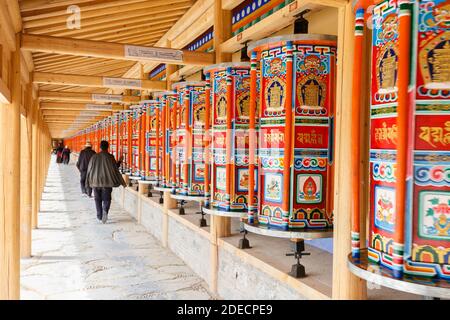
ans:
(99, 107)
(119, 82)
(163, 54)
(107, 97)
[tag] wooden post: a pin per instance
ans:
(168, 202)
(34, 166)
(220, 226)
(26, 177)
(345, 284)
(10, 185)
(142, 192)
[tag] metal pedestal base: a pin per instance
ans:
(183, 199)
(298, 270)
(377, 274)
(244, 243)
(298, 244)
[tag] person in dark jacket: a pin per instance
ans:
(82, 165)
(102, 176)
(66, 155)
(59, 152)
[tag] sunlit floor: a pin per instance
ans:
(77, 257)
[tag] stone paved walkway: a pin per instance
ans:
(76, 257)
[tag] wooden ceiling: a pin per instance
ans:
(138, 22)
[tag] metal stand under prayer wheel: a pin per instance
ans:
(191, 144)
(295, 137)
(298, 248)
(409, 233)
(228, 101)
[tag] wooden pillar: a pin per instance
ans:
(168, 202)
(220, 226)
(142, 192)
(35, 166)
(26, 176)
(345, 284)
(10, 185)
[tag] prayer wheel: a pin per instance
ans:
(167, 125)
(151, 109)
(295, 141)
(228, 91)
(137, 134)
(409, 228)
(190, 133)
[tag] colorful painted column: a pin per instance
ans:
(174, 146)
(253, 115)
(136, 121)
(356, 131)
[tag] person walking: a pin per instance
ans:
(59, 152)
(82, 165)
(102, 176)
(66, 155)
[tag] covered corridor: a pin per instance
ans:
(74, 256)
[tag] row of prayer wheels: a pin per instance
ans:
(258, 138)
(253, 137)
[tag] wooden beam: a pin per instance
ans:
(94, 32)
(38, 13)
(184, 72)
(271, 24)
(190, 17)
(109, 50)
(202, 23)
(27, 5)
(14, 13)
(79, 106)
(74, 112)
(115, 35)
(86, 97)
(122, 10)
(71, 121)
(7, 26)
(230, 4)
(73, 116)
(97, 82)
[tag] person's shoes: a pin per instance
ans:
(105, 216)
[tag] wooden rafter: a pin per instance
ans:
(90, 48)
